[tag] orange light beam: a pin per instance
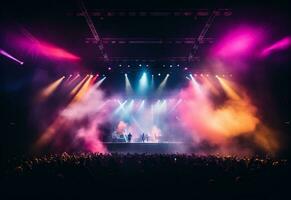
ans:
(228, 88)
(75, 90)
(51, 88)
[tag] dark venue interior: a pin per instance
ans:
(144, 99)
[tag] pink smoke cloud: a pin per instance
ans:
(240, 42)
(121, 127)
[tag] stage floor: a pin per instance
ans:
(148, 147)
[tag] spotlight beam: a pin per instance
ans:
(76, 89)
(143, 82)
(51, 88)
(4, 53)
(163, 84)
(128, 87)
(228, 88)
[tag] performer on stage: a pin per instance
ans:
(129, 136)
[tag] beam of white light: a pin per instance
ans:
(128, 87)
(143, 82)
(4, 53)
(120, 107)
(176, 105)
(195, 83)
(129, 108)
(141, 106)
(95, 86)
(163, 84)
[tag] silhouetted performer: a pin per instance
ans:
(147, 137)
(129, 136)
(142, 137)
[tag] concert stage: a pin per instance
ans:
(140, 147)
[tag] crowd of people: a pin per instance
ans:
(148, 174)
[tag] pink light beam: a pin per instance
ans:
(277, 46)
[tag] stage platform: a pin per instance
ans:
(146, 147)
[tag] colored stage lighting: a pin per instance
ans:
(130, 106)
(51, 88)
(194, 82)
(73, 79)
(143, 82)
(120, 107)
(141, 106)
(163, 83)
(277, 46)
(84, 88)
(76, 89)
(4, 53)
(98, 83)
(128, 87)
(228, 87)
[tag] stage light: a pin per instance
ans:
(128, 65)
(164, 65)
(159, 74)
(195, 83)
(83, 89)
(141, 106)
(207, 75)
(4, 53)
(51, 88)
(143, 82)
(178, 65)
(195, 75)
(74, 91)
(119, 65)
(216, 76)
(69, 77)
(139, 65)
(120, 107)
(228, 87)
(185, 68)
(147, 65)
(129, 107)
(109, 68)
(201, 75)
(176, 105)
(94, 78)
(128, 87)
(163, 84)
(75, 78)
(171, 65)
